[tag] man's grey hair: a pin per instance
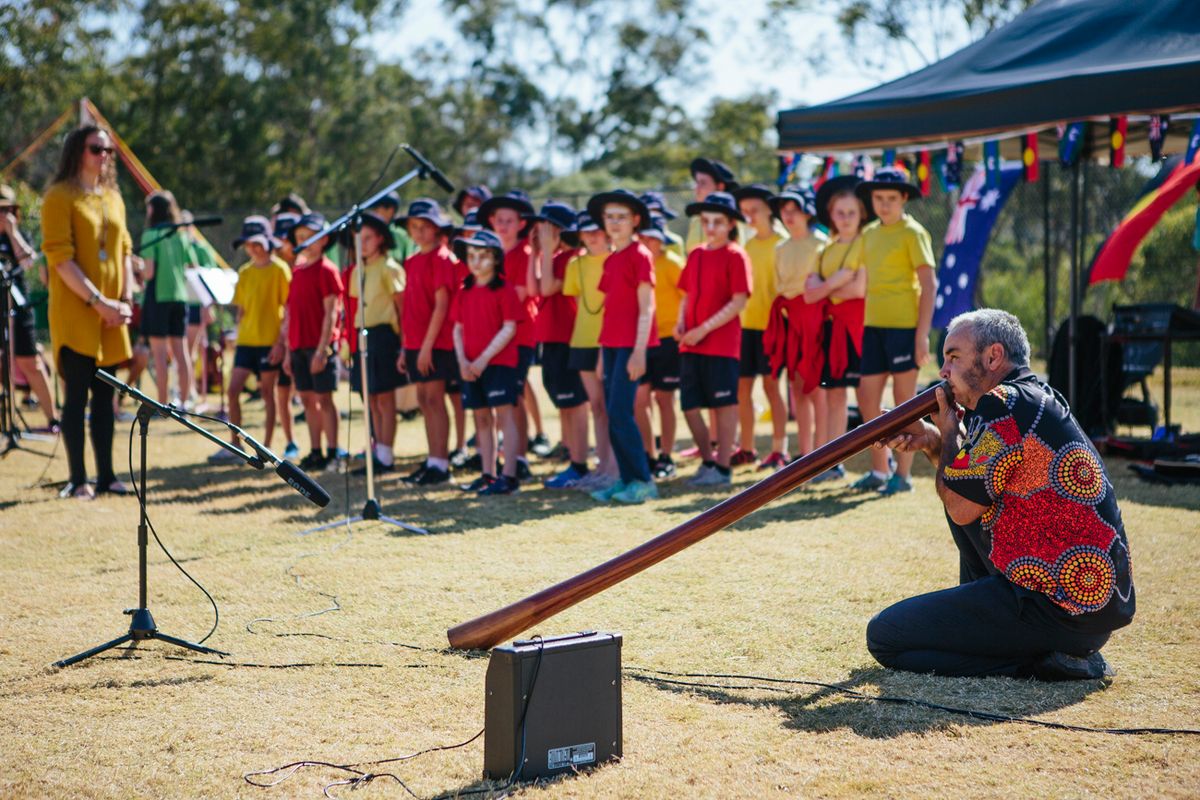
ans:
(992, 326)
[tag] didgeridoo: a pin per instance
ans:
(491, 629)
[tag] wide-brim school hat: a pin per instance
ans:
(480, 193)
(719, 203)
(470, 224)
(389, 200)
(424, 208)
(657, 229)
(755, 191)
(480, 238)
(888, 178)
(561, 215)
(314, 222)
(838, 185)
(380, 226)
(657, 203)
(803, 196)
(585, 223)
(717, 169)
(257, 229)
(624, 197)
(517, 200)
(284, 223)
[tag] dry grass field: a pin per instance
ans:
(337, 641)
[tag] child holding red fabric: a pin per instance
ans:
(716, 284)
(626, 333)
(486, 315)
(840, 281)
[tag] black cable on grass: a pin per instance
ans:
(990, 716)
(137, 492)
(362, 777)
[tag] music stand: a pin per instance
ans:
(371, 509)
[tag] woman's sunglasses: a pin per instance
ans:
(98, 149)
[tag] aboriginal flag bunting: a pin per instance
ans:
(1118, 130)
(1029, 157)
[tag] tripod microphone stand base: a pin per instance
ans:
(371, 512)
(141, 628)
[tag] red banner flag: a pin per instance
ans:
(924, 172)
(1118, 128)
(1029, 157)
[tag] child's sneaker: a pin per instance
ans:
(664, 468)
(432, 476)
(869, 483)
(742, 457)
(606, 494)
(459, 458)
(292, 451)
(567, 479)
(774, 461)
(832, 474)
(479, 484)
(896, 484)
(314, 461)
(637, 492)
(222, 456)
(505, 484)
(540, 446)
(711, 477)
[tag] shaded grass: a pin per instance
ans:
(338, 644)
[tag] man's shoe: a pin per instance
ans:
(896, 484)
(869, 483)
(540, 446)
(566, 479)
(505, 484)
(636, 492)
(1058, 666)
(432, 476)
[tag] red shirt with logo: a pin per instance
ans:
(516, 264)
(556, 314)
(306, 303)
(425, 273)
(482, 312)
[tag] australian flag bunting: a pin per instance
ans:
(1193, 142)
(1070, 142)
(951, 171)
(966, 239)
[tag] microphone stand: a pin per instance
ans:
(11, 420)
(141, 626)
(353, 219)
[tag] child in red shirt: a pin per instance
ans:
(486, 313)
(716, 284)
(626, 332)
(504, 215)
(428, 357)
(312, 315)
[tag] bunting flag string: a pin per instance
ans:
(864, 168)
(1159, 123)
(828, 170)
(991, 163)
(1070, 142)
(889, 158)
(923, 172)
(1193, 142)
(1118, 130)
(952, 168)
(1029, 157)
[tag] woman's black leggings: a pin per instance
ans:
(79, 376)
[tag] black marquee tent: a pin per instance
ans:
(1062, 60)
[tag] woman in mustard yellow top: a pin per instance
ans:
(88, 252)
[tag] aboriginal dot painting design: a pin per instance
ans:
(1077, 475)
(1087, 577)
(1001, 470)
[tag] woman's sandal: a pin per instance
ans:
(77, 491)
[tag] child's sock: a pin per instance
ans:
(581, 468)
(726, 471)
(439, 463)
(383, 454)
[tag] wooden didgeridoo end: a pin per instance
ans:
(491, 629)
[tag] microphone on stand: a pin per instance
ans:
(430, 170)
(296, 478)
